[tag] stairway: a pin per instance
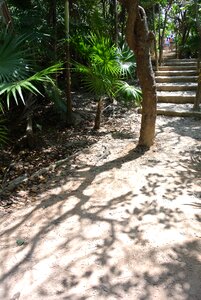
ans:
(176, 83)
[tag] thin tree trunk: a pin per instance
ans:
(29, 133)
(159, 27)
(156, 52)
(139, 40)
(4, 12)
(98, 115)
(147, 82)
(115, 23)
(196, 105)
(52, 21)
(29, 111)
(122, 18)
(155, 41)
(69, 119)
(163, 32)
(114, 16)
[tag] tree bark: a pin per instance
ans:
(139, 40)
(122, 18)
(4, 11)
(29, 133)
(196, 105)
(52, 21)
(163, 32)
(98, 115)
(155, 40)
(69, 119)
(115, 23)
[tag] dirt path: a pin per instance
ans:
(112, 223)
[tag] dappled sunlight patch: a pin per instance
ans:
(114, 224)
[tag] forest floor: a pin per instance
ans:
(109, 222)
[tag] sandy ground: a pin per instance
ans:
(112, 223)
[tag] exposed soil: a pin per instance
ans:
(110, 222)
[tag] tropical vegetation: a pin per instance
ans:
(44, 43)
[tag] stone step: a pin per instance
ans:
(180, 63)
(169, 55)
(174, 86)
(176, 78)
(176, 110)
(177, 97)
(176, 83)
(175, 68)
(176, 72)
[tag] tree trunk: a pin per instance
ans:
(159, 27)
(122, 20)
(196, 105)
(155, 41)
(98, 115)
(69, 119)
(115, 23)
(29, 133)
(163, 32)
(155, 53)
(139, 40)
(52, 21)
(4, 12)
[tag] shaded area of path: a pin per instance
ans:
(125, 227)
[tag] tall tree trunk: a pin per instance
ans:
(163, 31)
(197, 101)
(155, 41)
(52, 21)
(156, 52)
(115, 23)
(196, 105)
(159, 27)
(4, 12)
(114, 16)
(122, 20)
(69, 119)
(139, 40)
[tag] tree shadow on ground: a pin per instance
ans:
(183, 127)
(99, 247)
(180, 277)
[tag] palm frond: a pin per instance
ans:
(126, 60)
(15, 89)
(105, 66)
(14, 62)
(130, 93)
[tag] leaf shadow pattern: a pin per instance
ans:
(183, 127)
(87, 248)
(180, 276)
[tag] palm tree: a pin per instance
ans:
(104, 70)
(17, 72)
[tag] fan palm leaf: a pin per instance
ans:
(15, 89)
(129, 92)
(14, 62)
(16, 72)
